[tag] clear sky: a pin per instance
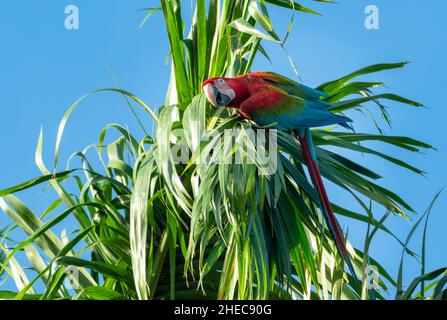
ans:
(44, 68)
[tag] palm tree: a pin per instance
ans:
(155, 225)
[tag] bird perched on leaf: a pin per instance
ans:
(271, 100)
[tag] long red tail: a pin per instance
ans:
(325, 204)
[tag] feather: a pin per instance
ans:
(290, 86)
(308, 149)
(289, 112)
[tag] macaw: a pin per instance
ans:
(271, 100)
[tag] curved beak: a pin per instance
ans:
(218, 97)
(211, 93)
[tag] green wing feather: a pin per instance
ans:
(290, 112)
(292, 87)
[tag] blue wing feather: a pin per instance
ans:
(299, 106)
(314, 114)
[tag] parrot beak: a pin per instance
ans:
(218, 97)
(211, 93)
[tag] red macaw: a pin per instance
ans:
(269, 99)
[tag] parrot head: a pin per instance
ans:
(219, 91)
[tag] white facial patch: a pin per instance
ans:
(223, 88)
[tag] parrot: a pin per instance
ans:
(268, 99)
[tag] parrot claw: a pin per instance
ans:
(241, 118)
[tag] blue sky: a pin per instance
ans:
(44, 68)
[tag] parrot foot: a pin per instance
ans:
(241, 118)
